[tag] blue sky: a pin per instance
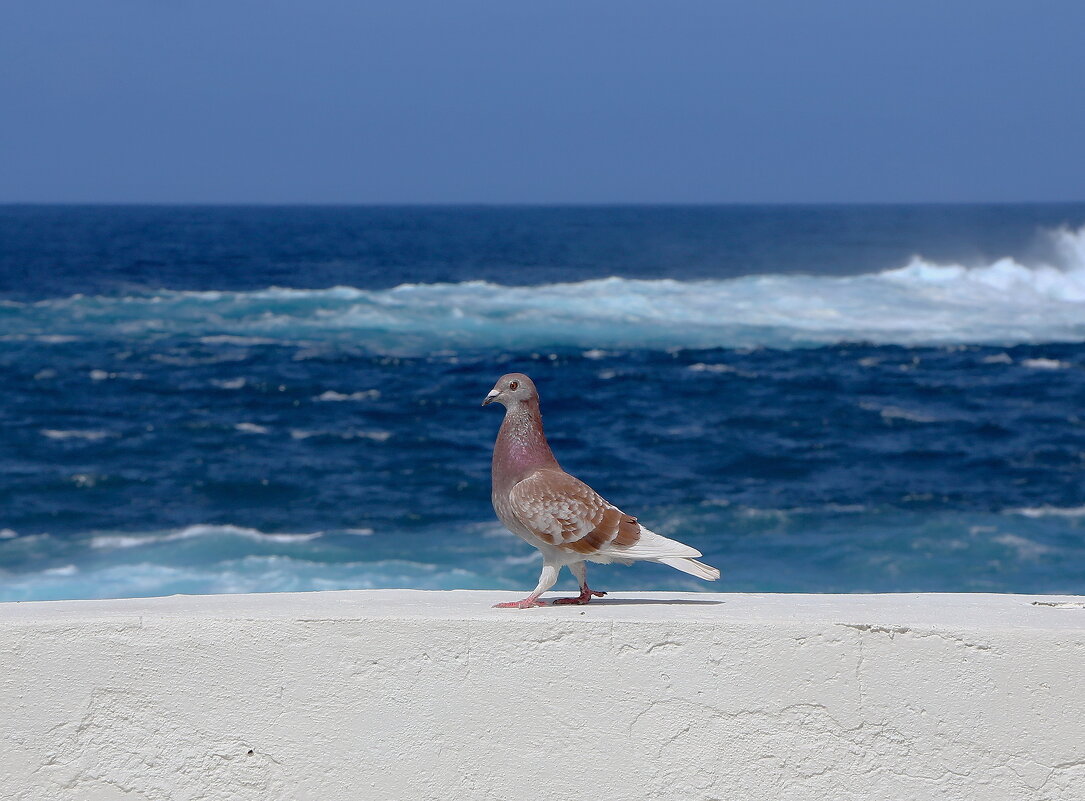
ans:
(409, 101)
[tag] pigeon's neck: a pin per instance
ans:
(521, 446)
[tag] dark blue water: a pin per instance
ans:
(819, 398)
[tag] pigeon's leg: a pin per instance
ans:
(580, 570)
(546, 580)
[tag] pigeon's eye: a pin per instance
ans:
(514, 385)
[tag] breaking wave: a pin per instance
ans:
(1003, 302)
(112, 541)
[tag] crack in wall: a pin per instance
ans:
(905, 631)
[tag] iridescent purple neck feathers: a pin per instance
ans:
(521, 447)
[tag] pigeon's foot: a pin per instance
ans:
(583, 598)
(526, 603)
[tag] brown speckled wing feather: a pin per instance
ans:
(566, 512)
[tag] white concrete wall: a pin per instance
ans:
(428, 695)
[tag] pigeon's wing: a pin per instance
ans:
(566, 512)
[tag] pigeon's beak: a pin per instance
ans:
(491, 397)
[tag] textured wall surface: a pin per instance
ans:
(433, 695)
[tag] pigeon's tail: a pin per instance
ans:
(693, 567)
(652, 547)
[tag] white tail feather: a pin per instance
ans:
(651, 546)
(693, 567)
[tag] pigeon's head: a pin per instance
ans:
(512, 389)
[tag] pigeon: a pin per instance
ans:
(559, 514)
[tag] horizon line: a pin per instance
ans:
(523, 204)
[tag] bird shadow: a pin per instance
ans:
(652, 601)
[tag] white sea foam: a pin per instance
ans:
(89, 435)
(65, 570)
(1048, 511)
(784, 513)
(250, 428)
(102, 375)
(1044, 364)
(332, 395)
(252, 573)
(352, 433)
(1025, 548)
(114, 541)
(701, 367)
(8, 534)
(921, 302)
(233, 339)
(229, 383)
(898, 413)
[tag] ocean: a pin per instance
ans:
(819, 398)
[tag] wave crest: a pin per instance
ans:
(115, 541)
(920, 303)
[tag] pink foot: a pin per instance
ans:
(583, 598)
(526, 603)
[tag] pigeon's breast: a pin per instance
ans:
(503, 507)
